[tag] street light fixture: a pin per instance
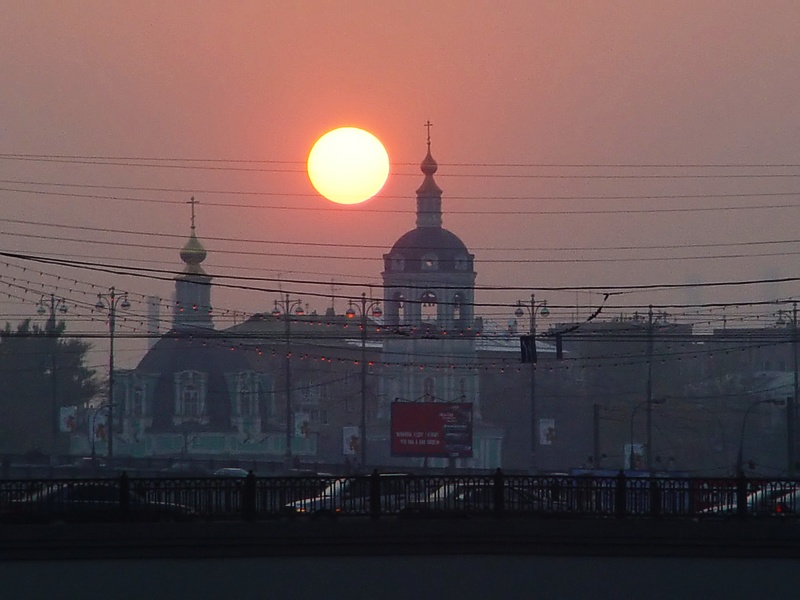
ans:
(533, 309)
(111, 302)
(284, 307)
(375, 308)
(739, 460)
(649, 402)
(61, 305)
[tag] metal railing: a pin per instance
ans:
(400, 495)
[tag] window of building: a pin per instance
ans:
(461, 263)
(428, 306)
(190, 393)
(137, 401)
(430, 262)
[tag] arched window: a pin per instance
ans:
(190, 393)
(458, 306)
(248, 390)
(137, 401)
(429, 309)
(430, 262)
(428, 389)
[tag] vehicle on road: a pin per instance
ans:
(351, 495)
(231, 472)
(90, 501)
(475, 498)
(769, 500)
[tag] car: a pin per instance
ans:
(231, 472)
(184, 469)
(463, 499)
(78, 501)
(84, 465)
(760, 502)
(351, 495)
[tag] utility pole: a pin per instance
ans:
(791, 403)
(111, 301)
(50, 329)
(649, 400)
(596, 435)
(532, 310)
(375, 308)
(284, 307)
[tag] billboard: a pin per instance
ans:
(433, 429)
(351, 440)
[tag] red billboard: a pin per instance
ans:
(434, 429)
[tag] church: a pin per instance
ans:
(292, 387)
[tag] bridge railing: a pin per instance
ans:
(404, 495)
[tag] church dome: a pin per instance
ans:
(193, 254)
(426, 249)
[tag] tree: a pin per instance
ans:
(40, 372)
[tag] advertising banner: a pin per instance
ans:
(433, 429)
(351, 441)
(67, 419)
(547, 432)
(302, 424)
(97, 426)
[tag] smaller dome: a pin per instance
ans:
(429, 166)
(193, 254)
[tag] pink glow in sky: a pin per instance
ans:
(515, 82)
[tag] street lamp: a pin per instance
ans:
(351, 314)
(284, 306)
(50, 328)
(649, 402)
(111, 301)
(739, 461)
(532, 310)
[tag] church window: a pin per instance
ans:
(137, 401)
(458, 305)
(190, 393)
(248, 391)
(428, 305)
(429, 262)
(461, 262)
(397, 263)
(428, 389)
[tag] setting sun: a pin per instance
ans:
(348, 165)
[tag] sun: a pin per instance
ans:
(348, 165)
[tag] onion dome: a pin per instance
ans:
(193, 254)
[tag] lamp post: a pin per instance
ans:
(533, 309)
(373, 306)
(739, 459)
(111, 302)
(649, 403)
(284, 307)
(50, 328)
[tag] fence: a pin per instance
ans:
(401, 495)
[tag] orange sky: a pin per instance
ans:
(515, 82)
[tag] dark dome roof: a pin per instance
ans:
(449, 250)
(422, 240)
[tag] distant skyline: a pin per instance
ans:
(687, 110)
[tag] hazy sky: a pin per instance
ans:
(146, 88)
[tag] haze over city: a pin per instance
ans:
(545, 116)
